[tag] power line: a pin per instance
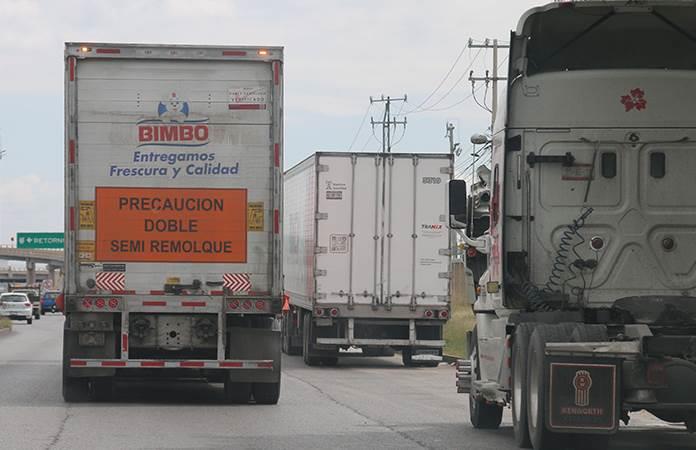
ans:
(446, 94)
(362, 122)
(449, 72)
(444, 108)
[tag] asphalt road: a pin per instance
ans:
(363, 403)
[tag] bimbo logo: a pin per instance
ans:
(174, 126)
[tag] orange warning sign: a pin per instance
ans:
(171, 225)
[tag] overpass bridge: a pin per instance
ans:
(52, 258)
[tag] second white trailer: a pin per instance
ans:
(367, 262)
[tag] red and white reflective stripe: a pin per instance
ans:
(236, 282)
(108, 51)
(71, 151)
(276, 72)
(276, 151)
(234, 53)
(72, 218)
(185, 303)
(163, 364)
(111, 281)
(71, 68)
(246, 106)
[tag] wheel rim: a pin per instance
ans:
(517, 391)
(533, 391)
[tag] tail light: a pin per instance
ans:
(334, 312)
(428, 314)
(100, 303)
(471, 252)
(260, 305)
(444, 314)
(246, 305)
(27, 304)
(234, 304)
(319, 312)
(87, 302)
(113, 303)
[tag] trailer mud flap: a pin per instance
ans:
(583, 395)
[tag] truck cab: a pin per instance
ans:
(590, 270)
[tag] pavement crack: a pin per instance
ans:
(333, 399)
(61, 429)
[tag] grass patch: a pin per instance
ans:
(462, 320)
(5, 323)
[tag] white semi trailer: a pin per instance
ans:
(367, 255)
(587, 309)
(173, 196)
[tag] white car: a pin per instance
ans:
(16, 306)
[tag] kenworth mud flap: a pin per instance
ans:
(583, 394)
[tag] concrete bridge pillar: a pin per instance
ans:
(56, 276)
(31, 272)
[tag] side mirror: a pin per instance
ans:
(457, 204)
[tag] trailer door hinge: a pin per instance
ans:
(320, 296)
(320, 273)
(444, 252)
(446, 170)
(319, 250)
(443, 218)
(322, 168)
(446, 275)
(321, 216)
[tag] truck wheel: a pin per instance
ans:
(485, 416)
(29, 321)
(540, 437)
(329, 361)
(288, 348)
(266, 393)
(519, 383)
(307, 342)
(101, 389)
(407, 356)
(75, 390)
(236, 392)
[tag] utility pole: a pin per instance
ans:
(490, 79)
(387, 121)
(454, 147)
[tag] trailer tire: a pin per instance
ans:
(266, 393)
(484, 416)
(288, 348)
(101, 389)
(237, 393)
(541, 438)
(520, 347)
(75, 390)
(589, 333)
(309, 360)
(407, 356)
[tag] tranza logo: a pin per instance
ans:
(174, 126)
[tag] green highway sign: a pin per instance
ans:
(40, 240)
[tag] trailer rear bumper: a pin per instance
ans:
(393, 333)
(265, 364)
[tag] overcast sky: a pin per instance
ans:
(337, 54)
